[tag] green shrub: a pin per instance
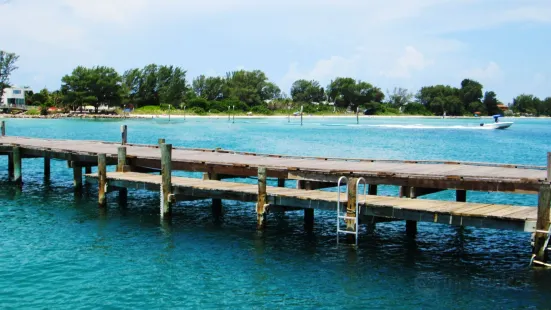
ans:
(262, 110)
(33, 111)
(198, 111)
(214, 111)
(414, 108)
(198, 103)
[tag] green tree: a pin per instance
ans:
(209, 88)
(471, 95)
(307, 91)
(250, 87)
(490, 103)
(348, 93)
(7, 66)
(399, 97)
(440, 99)
(96, 86)
(527, 104)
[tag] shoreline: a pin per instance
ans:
(219, 116)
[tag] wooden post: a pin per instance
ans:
(10, 166)
(88, 169)
(102, 180)
(261, 201)
(77, 176)
(47, 170)
(301, 108)
(461, 195)
(542, 224)
(411, 226)
(358, 115)
(166, 186)
(216, 202)
(280, 182)
(3, 128)
(549, 167)
(124, 134)
(121, 158)
(351, 206)
(372, 190)
(309, 219)
(16, 159)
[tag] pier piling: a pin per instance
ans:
(166, 185)
(121, 158)
(77, 176)
(461, 195)
(411, 226)
(549, 167)
(16, 160)
(3, 128)
(10, 167)
(102, 180)
(542, 224)
(372, 189)
(88, 169)
(47, 168)
(351, 207)
(261, 201)
(124, 134)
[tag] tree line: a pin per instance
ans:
(163, 85)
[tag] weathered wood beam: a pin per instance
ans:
(261, 202)
(351, 205)
(102, 180)
(17, 171)
(121, 158)
(542, 224)
(47, 167)
(166, 187)
(461, 195)
(313, 185)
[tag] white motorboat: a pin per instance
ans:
(502, 125)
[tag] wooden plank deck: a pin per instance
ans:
(427, 174)
(447, 212)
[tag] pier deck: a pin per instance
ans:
(447, 212)
(422, 174)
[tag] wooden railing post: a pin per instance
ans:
(166, 185)
(542, 224)
(121, 158)
(124, 134)
(261, 200)
(16, 159)
(102, 180)
(351, 206)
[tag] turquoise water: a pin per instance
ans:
(57, 250)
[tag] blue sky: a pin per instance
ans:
(504, 44)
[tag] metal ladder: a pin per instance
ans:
(545, 246)
(356, 218)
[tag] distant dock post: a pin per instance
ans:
(358, 115)
(301, 109)
(124, 134)
(102, 180)
(3, 128)
(166, 184)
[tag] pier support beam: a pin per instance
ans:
(216, 202)
(411, 226)
(88, 169)
(121, 163)
(16, 160)
(351, 207)
(77, 176)
(166, 186)
(261, 201)
(372, 189)
(10, 166)
(461, 195)
(280, 182)
(542, 224)
(47, 168)
(102, 180)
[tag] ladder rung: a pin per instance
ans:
(347, 232)
(543, 231)
(347, 217)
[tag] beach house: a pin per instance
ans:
(14, 96)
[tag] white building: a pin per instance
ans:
(14, 96)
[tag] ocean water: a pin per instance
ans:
(57, 250)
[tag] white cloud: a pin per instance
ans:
(489, 73)
(411, 60)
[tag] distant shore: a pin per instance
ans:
(221, 116)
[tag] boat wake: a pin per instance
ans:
(421, 126)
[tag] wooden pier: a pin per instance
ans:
(150, 167)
